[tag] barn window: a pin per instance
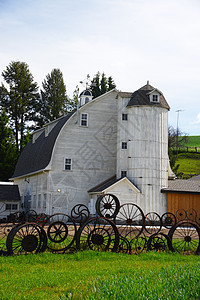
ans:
(8, 206)
(124, 145)
(68, 164)
(124, 117)
(84, 120)
(123, 173)
(155, 98)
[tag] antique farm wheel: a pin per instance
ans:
(4, 231)
(80, 213)
(107, 206)
(153, 223)
(98, 234)
(61, 232)
(138, 244)
(185, 237)
(41, 219)
(159, 242)
(31, 216)
(25, 239)
(124, 245)
(168, 220)
(191, 214)
(181, 215)
(130, 220)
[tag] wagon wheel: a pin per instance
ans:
(181, 215)
(80, 213)
(191, 214)
(98, 234)
(153, 223)
(124, 245)
(4, 231)
(61, 232)
(168, 220)
(25, 239)
(185, 237)
(159, 242)
(41, 219)
(130, 220)
(107, 205)
(31, 216)
(17, 217)
(138, 244)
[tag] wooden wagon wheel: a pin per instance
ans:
(25, 239)
(98, 234)
(168, 220)
(107, 206)
(61, 232)
(153, 223)
(124, 245)
(185, 237)
(130, 220)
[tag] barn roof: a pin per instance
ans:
(141, 98)
(9, 193)
(36, 156)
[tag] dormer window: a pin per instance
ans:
(155, 98)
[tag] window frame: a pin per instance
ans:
(123, 173)
(67, 164)
(84, 120)
(124, 117)
(124, 145)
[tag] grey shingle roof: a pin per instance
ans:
(104, 185)
(183, 186)
(9, 193)
(36, 156)
(125, 94)
(141, 97)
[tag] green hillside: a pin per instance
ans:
(193, 141)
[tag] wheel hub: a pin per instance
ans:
(97, 239)
(168, 220)
(30, 243)
(129, 221)
(188, 238)
(107, 205)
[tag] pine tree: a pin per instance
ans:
(20, 100)
(111, 84)
(95, 86)
(54, 100)
(8, 151)
(100, 84)
(103, 84)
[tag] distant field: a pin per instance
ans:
(193, 141)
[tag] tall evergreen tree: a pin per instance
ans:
(103, 84)
(111, 84)
(8, 151)
(100, 84)
(54, 100)
(20, 100)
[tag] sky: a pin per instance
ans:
(131, 40)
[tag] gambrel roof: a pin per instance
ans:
(141, 97)
(36, 156)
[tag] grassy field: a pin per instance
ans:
(193, 141)
(189, 164)
(100, 275)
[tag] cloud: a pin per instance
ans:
(197, 121)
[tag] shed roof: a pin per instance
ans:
(9, 193)
(183, 186)
(141, 98)
(36, 156)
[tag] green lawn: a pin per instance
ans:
(100, 275)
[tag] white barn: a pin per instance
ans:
(116, 143)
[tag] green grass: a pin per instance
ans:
(193, 141)
(100, 275)
(189, 164)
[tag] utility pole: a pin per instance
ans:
(177, 132)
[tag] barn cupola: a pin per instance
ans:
(85, 97)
